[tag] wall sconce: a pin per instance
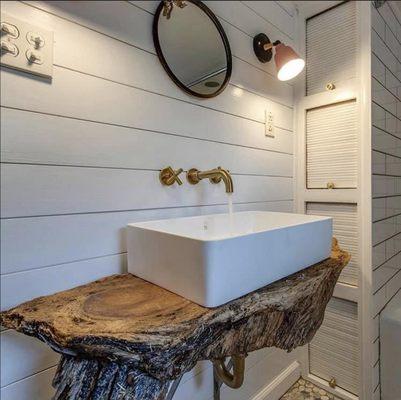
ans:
(288, 62)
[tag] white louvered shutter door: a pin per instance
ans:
(345, 229)
(331, 48)
(333, 352)
(332, 146)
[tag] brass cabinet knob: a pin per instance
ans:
(330, 86)
(330, 185)
(168, 176)
(332, 383)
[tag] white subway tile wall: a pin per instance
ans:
(386, 166)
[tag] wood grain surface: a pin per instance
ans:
(124, 329)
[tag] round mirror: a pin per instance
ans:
(192, 47)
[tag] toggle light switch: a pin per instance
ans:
(9, 29)
(34, 57)
(35, 39)
(9, 48)
(26, 47)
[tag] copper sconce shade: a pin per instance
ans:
(288, 63)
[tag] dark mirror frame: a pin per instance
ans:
(213, 18)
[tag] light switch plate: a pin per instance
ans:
(33, 45)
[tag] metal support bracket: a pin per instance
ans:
(222, 374)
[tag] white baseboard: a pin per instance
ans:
(280, 384)
(342, 394)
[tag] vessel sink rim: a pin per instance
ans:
(150, 225)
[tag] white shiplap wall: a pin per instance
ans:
(386, 165)
(81, 157)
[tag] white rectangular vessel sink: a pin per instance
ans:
(213, 259)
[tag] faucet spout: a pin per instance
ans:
(215, 175)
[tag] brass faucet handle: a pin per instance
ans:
(168, 176)
(176, 176)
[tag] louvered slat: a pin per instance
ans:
(345, 229)
(333, 353)
(331, 145)
(331, 48)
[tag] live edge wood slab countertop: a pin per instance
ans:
(124, 338)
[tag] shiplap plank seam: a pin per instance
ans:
(143, 209)
(257, 13)
(149, 51)
(146, 130)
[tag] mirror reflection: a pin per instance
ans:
(193, 48)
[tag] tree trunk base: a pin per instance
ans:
(90, 379)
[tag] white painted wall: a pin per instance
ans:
(81, 158)
(386, 165)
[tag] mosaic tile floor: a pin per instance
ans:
(304, 390)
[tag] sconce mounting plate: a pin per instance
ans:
(259, 41)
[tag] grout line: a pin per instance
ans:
(395, 16)
(147, 130)
(385, 44)
(144, 209)
(385, 66)
(387, 196)
(387, 281)
(379, 354)
(387, 89)
(385, 262)
(383, 130)
(383, 219)
(391, 298)
(385, 240)
(388, 26)
(389, 175)
(385, 153)
(385, 109)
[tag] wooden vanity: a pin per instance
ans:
(124, 338)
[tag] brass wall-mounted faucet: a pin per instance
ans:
(216, 175)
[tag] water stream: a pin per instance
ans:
(230, 212)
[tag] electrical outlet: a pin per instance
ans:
(26, 47)
(269, 124)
